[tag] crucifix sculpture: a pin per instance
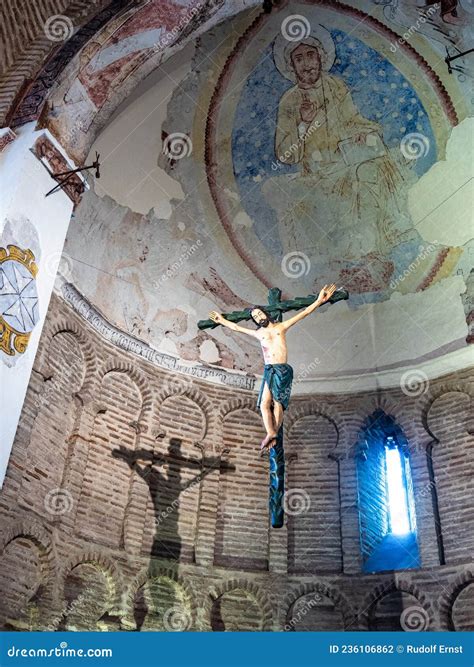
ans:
(275, 391)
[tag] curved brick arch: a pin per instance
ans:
(105, 566)
(381, 590)
(323, 409)
(37, 533)
(47, 583)
(113, 574)
(435, 391)
(465, 420)
(296, 422)
(370, 421)
(156, 571)
(334, 594)
(402, 411)
(234, 404)
(447, 600)
(137, 377)
(192, 392)
(462, 391)
(23, 59)
(90, 360)
(249, 587)
(231, 407)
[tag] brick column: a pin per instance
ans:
(425, 520)
(207, 511)
(75, 468)
(351, 553)
(138, 495)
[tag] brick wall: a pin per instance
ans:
(242, 514)
(313, 504)
(138, 500)
(453, 466)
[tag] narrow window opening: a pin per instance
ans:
(386, 498)
(400, 505)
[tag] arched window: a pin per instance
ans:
(386, 501)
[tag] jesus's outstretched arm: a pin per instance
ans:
(220, 319)
(325, 294)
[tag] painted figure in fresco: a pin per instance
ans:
(346, 175)
(278, 374)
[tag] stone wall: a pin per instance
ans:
(136, 498)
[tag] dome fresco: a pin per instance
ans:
(210, 213)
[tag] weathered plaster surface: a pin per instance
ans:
(163, 245)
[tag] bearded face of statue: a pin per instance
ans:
(306, 63)
(260, 317)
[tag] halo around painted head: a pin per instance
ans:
(319, 37)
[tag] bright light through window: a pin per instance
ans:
(397, 493)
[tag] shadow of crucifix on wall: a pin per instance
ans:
(165, 478)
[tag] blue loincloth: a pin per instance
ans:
(279, 378)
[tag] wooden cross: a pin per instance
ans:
(275, 307)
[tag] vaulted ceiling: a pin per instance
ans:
(197, 207)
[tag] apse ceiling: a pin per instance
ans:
(211, 193)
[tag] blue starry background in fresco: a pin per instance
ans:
(379, 91)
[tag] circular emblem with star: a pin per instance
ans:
(18, 298)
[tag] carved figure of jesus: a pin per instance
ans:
(275, 391)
